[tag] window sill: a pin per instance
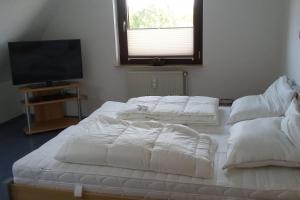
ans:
(160, 68)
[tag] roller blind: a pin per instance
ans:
(161, 42)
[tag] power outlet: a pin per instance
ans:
(154, 83)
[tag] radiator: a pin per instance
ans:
(156, 83)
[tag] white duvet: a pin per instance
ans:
(173, 109)
(151, 145)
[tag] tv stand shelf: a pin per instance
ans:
(56, 86)
(50, 99)
(48, 104)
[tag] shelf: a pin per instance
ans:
(50, 125)
(54, 87)
(42, 100)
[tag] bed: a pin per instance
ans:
(38, 175)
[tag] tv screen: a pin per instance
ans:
(45, 61)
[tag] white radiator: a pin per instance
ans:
(156, 83)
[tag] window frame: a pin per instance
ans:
(197, 57)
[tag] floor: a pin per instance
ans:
(14, 144)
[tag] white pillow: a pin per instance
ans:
(250, 107)
(273, 103)
(258, 143)
(293, 109)
(290, 125)
(279, 95)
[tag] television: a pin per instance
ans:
(45, 61)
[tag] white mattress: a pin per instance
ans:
(39, 168)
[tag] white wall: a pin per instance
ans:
(242, 47)
(293, 42)
(93, 22)
(9, 101)
(19, 20)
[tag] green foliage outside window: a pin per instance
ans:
(157, 17)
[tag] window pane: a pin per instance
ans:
(160, 27)
(160, 13)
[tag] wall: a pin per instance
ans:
(242, 47)
(93, 22)
(9, 101)
(19, 20)
(292, 57)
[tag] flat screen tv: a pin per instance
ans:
(45, 61)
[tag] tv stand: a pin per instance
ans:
(48, 84)
(48, 104)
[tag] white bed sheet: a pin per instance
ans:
(39, 168)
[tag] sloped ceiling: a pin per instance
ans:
(22, 20)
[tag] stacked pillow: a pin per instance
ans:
(268, 129)
(274, 102)
(260, 142)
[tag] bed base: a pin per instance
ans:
(25, 192)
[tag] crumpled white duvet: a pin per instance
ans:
(173, 109)
(174, 149)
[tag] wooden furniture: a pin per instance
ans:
(48, 104)
(25, 192)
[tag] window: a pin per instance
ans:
(160, 31)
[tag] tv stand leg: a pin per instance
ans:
(27, 109)
(79, 104)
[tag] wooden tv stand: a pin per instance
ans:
(48, 104)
